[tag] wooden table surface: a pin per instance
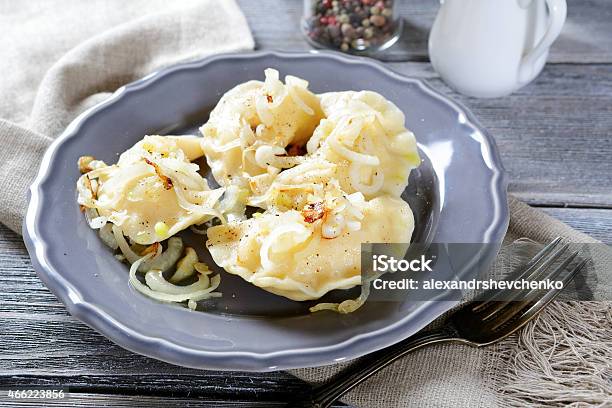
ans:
(555, 138)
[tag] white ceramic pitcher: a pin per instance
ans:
(490, 48)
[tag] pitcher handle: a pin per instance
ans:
(557, 10)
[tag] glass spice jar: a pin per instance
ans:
(353, 26)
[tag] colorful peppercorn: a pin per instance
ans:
(350, 25)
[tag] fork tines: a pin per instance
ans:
(498, 308)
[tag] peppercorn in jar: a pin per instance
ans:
(354, 26)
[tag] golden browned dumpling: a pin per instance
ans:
(153, 192)
(302, 255)
(364, 134)
(257, 127)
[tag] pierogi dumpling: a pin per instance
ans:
(286, 253)
(257, 127)
(154, 191)
(364, 134)
(320, 203)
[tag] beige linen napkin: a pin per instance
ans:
(60, 57)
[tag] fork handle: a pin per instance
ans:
(323, 396)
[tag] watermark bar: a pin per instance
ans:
(457, 271)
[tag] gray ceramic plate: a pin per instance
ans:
(458, 195)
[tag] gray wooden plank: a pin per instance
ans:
(586, 37)
(137, 401)
(594, 222)
(220, 385)
(141, 401)
(554, 135)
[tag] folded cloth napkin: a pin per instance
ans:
(61, 57)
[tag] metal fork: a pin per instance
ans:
(477, 324)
